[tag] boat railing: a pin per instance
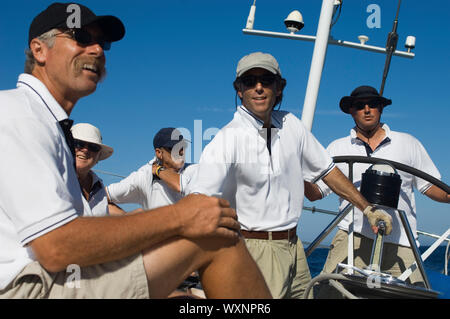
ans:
(314, 209)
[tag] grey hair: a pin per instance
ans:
(49, 39)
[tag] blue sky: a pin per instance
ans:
(176, 65)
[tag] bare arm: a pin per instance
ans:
(342, 186)
(168, 176)
(92, 240)
(312, 191)
(437, 194)
(115, 210)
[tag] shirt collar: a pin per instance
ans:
(95, 178)
(385, 127)
(96, 184)
(38, 88)
(255, 121)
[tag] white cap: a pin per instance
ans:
(89, 133)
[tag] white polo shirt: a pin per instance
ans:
(98, 201)
(140, 187)
(266, 189)
(39, 189)
(398, 147)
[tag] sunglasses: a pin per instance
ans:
(252, 80)
(90, 146)
(359, 105)
(169, 149)
(83, 37)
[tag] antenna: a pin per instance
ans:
(391, 45)
(251, 16)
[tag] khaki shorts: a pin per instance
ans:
(283, 265)
(124, 278)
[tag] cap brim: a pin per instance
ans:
(262, 66)
(113, 29)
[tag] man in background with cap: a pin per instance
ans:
(46, 231)
(372, 138)
(258, 162)
(160, 182)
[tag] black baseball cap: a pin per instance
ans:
(362, 92)
(167, 137)
(57, 15)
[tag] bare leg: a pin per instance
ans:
(225, 271)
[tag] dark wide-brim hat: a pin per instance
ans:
(361, 93)
(62, 15)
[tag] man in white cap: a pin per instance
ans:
(89, 150)
(49, 248)
(372, 138)
(258, 162)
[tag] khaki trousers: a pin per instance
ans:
(283, 265)
(396, 259)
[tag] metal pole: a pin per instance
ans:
(331, 41)
(415, 250)
(324, 211)
(318, 60)
(328, 229)
(377, 248)
(351, 237)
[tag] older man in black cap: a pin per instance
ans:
(49, 248)
(372, 138)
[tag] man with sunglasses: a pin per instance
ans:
(50, 246)
(258, 162)
(160, 182)
(370, 137)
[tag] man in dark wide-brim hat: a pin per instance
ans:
(372, 138)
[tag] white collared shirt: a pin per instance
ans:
(397, 147)
(266, 189)
(98, 201)
(39, 189)
(141, 188)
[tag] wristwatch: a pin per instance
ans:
(159, 169)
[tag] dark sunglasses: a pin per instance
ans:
(252, 80)
(83, 37)
(359, 105)
(90, 146)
